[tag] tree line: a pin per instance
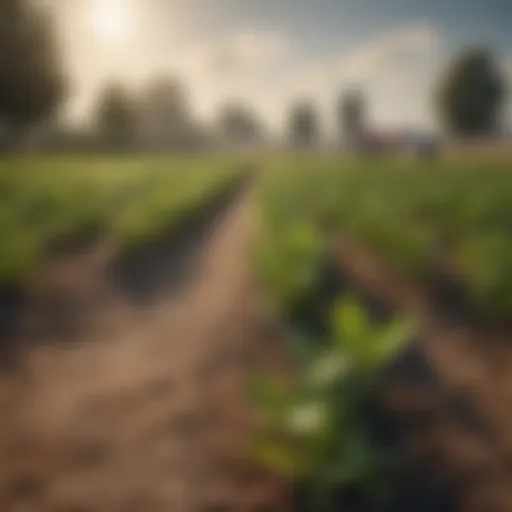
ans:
(469, 98)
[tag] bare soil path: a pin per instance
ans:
(139, 405)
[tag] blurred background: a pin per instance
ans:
(255, 255)
(194, 74)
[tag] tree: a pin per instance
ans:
(303, 124)
(167, 116)
(471, 94)
(351, 111)
(116, 116)
(32, 82)
(238, 124)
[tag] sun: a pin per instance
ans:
(111, 20)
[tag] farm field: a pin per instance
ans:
(427, 221)
(255, 256)
(54, 201)
(269, 344)
(399, 268)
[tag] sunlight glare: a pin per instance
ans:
(111, 20)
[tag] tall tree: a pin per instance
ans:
(303, 124)
(351, 112)
(471, 93)
(32, 81)
(167, 116)
(238, 124)
(116, 116)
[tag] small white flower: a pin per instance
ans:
(328, 369)
(308, 418)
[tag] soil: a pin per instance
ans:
(127, 392)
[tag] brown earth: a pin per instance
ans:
(120, 404)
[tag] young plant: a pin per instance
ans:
(313, 429)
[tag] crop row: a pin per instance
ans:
(45, 201)
(422, 219)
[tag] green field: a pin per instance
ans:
(425, 221)
(45, 200)
(420, 218)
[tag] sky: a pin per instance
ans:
(271, 52)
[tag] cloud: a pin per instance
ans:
(241, 52)
(268, 69)
(257, 54)
(396, 69)
(404, 48)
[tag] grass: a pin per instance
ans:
(45, 199)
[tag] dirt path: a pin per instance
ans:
(145, 411)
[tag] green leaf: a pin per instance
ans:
(272, 398)
(277, 456)
(392, 338)
(309, 419)
(351, 329)
(328, 369)
(348, 319)
(357, 457)
(303, 349)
